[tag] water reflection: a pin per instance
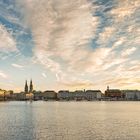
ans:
(69, 120)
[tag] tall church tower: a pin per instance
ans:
(107, 88)
(26, 87)
(31, 86)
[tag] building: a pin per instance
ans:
(29, 96)
(28, 91)
(2, 94)
(38, 95)
(9, 95)
(114, 93)
(79, 95)
(6, 95)
(26, 88)
(31, 86)
(49, 95)
(19, 96)
(63, 94)
(93, 94)
(131, 94)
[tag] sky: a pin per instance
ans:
(68, 44)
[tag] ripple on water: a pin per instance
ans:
(69, 121)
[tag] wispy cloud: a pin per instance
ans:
(80, 40)
(66, 27)
(129, 51)
(3, 75)
(63, 32)
(17, 66)
(125, 9)
(44, 75)
(7, 42)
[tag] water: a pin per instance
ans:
(69, 120)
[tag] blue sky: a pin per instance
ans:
(85, 44)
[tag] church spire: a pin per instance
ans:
(107, 87)
(26, 87)
(31, 86)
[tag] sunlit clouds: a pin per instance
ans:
(44, 75)
(7, 42)
(72, 44)
(3, 75)
(17, 66)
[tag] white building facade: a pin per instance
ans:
(79, 95)
(63, 94)
(93, 94)
(132, 94)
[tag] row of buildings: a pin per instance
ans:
(109, 94)
(5, 95)
(117, 94)
(29, 93)
(52, 95)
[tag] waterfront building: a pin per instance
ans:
(9, 95)
(131, 94)
(66, 95)
(30, 96)
(2, 94)
(71, 95)
(38, 95)
(63, 94)
(49, 95)
(19, 96)
(114, 93)
(5, 95)
(93, 94)
(79, 95)
(28, 91)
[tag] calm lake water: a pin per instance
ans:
(69, 120)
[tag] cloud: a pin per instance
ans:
(44, 75)
(63, 32)
(119, 42)
(17, 66)
(60, 29)
(7, 42)
(106, 35)
(122, 82)
(3, 75)
(129, 51)
(11, 13)
(125, 9)
(78, 85)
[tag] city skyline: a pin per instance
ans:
(70, 44)
(29, 88)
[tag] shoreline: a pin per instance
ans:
(70, 101)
